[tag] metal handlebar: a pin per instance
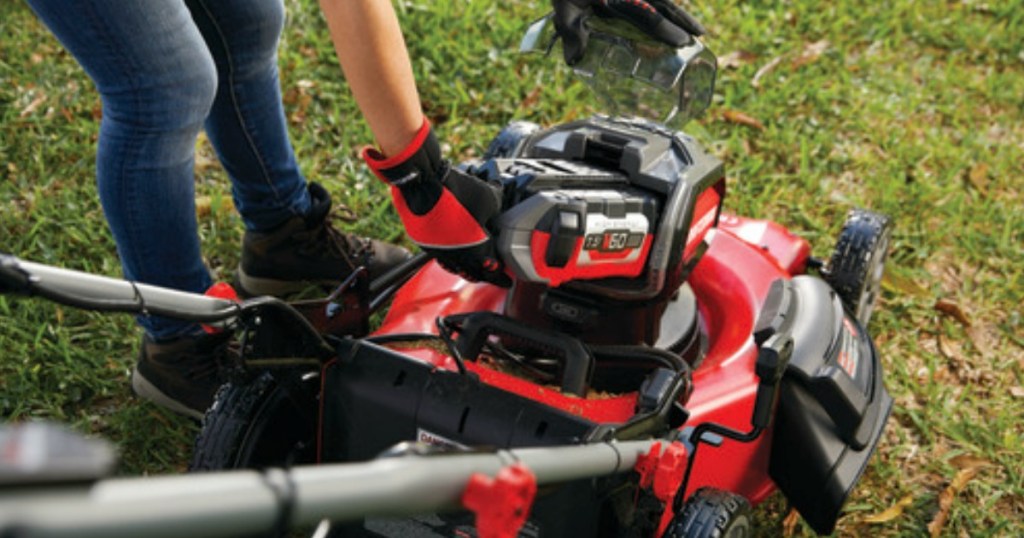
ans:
(243, 503)
(94, 292)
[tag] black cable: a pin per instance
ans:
(284, 492)
(140, 298)
(401, 338)
(630, 353)
(445, 332)
(499, 351)
(697, 437)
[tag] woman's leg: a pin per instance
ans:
(157, 81)
(247, 123)
(289, 241)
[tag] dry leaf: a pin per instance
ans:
(736, 58)
(39, 100)
(901, 285)
(968, 461)
(811, 52)
(978, 177)
(891, 513)
(946, 499)
(1017, 392)
(764, 70)
(531, 98)
(942, 374)
(735, 116)
(789, 523)
(950, 350)
(979, 338)
(952, 310)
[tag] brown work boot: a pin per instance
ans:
(182, 374)
(307, 251)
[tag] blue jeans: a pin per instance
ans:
(164, 70)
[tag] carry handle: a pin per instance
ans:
(575, 360)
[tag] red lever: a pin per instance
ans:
(647, 464)
(220, 290)
(501, 504)
(662, 471)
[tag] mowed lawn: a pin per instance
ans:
(912, 108)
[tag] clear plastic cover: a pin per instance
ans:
(635, 76)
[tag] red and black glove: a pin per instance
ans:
(661, 19)
(444, 210)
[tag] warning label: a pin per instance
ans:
(431, 438)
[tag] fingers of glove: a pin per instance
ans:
(650, 20)
(481, 198)
(477, 263)
(679, 16)
(569, 26)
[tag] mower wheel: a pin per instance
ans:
(856, 267)
(270, 421)
(510, 140)
(712, 513)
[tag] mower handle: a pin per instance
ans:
(100, 293)
(249, 502)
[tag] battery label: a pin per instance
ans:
(621, 238)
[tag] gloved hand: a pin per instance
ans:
(660, 19)
(444, 210)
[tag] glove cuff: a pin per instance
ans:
(419, 160)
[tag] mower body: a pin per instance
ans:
(729, 282)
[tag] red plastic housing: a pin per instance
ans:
(730, 282)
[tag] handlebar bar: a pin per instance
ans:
(93, 292)
(247, 502)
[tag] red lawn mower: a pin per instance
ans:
(707, 357)
(638, 311)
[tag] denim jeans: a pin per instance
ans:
(165, 69)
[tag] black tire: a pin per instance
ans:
(856, 267)
(510, 140)
(712, 513)
(269, 422)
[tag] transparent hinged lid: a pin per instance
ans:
(636, 76)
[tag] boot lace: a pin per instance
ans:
(325, 238)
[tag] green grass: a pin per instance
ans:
(912, 108)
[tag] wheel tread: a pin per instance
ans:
(848, 269)
(712, 513)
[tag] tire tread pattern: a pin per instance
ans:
(226, 421)
(712, 513)
(849, 267)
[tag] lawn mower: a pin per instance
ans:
(656, 368)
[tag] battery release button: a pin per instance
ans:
(563, 239)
